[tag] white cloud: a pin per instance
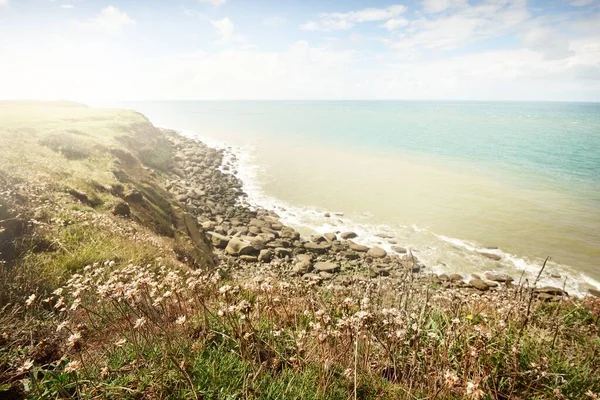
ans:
(110, 20)
(227, 34)
(4, 3)
(437, 6)
(274, 21)
(66, 6)
(396, 23)
(551, 44)
(465, 25)
(214, 3)
(581, 3)
(341, 21)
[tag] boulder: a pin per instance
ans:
(122, 209)
(326, 266)
(498, 277)
(218, 241)
(554, 291)
(492, 256)
(238, 247)
(318, 239)
(358, 247)
(594, 292)
(384, 235)
(376, 252)
(304, 257)
(265, 255)
(325, 275)
(312, 277)
(318, 248)
(301, 268)
(282, 252)
(398, 249)
(350, 255)
(330, 237)
(348, 235)
(248, 258)
(479, 284)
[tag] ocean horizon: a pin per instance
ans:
(469, 186)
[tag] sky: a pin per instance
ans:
(111, 50)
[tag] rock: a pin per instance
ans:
(282, 252)
(479, 284)
(312, 277)
(545, 296)
(554, 291)
(350, 255)
(398, 249)
(302, 268)
(491, 256)
(435, 279)
(248, 258)
(239, 247)
(498, 277)
(326, 266)
(122, 209)
(348, 235)
(384, 235)
(304, 257)
(330, 237)
(444, 277)
(380, 271)
(358, 247)
(265, 255)
(325, 275)
(208, 225)
(318, 239)
(276, 226)
(327, 215)
(594, 292)
(318, 248)
(376, 252)
(218, 241)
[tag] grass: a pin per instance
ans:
(100, 306)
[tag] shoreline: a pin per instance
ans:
(267, 241)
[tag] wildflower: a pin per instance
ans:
(74, 340)
(473, 390)
(75, 304)
(348, 372)
(30, 300)
(73, 366)
(120, 342)
(451, 378)
(61, 326)
(60, 302)
(26, 366)
(224, 289)
(139, 322)
(105, 371)
(455, 321)
(277, 333)
(181, 320)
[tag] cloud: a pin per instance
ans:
(110, 20)
(274, 21)
(581, 3)
(66, 6)
(214, 3)
(396, 23)
(4, 3)
(437, 6)
(551, 44)
(468, 24)
(342, 21)
(227, 34)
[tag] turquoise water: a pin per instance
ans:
(523, 176)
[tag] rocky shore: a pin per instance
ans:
(253, 241)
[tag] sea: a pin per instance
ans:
(448, 180)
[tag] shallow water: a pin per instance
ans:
(445, 179)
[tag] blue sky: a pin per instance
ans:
(260, 49)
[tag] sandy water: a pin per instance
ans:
(447, 204)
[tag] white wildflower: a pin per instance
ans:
(30, 300)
